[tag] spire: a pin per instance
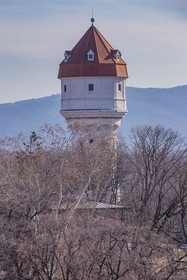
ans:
(92, 19)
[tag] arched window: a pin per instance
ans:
(67, 55)
(119, 87)
(90, 55)
(116, 54)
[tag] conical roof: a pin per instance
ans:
(106, 61)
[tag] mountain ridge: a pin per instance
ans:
(163, 106)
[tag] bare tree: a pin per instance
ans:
(46, 178)
(157, 159)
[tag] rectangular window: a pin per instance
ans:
(90, 57)
(65, 88)
(91, 87)
(119, 87)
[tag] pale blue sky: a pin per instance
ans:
(151, 34)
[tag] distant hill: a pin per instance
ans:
(29, 115)
(166, 107)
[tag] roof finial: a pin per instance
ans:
(92, 19)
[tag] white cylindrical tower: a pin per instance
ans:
(93, 84)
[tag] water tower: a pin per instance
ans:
(93, 85)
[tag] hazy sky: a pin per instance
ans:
(151, 34)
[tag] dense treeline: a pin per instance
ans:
(47, 234)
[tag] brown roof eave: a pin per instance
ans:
(92, 70)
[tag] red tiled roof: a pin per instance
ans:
(104, 63)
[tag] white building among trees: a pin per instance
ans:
(93, 84)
